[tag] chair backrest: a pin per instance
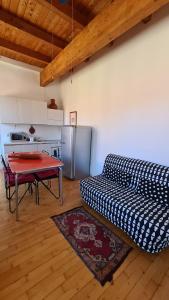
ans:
(4, 163)
(44, 151)
(137, 169)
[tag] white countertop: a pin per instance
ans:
(56, 142)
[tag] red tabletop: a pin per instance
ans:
(23, 166)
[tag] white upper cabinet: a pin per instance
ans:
(27, 111)
(9, 110)
(39, 112)
(55, 117)
(32, 112)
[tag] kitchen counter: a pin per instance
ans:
(53, 147)
(57, 142)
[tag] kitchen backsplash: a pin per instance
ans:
(42, 131)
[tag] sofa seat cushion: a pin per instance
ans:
(102, 188)
(146, 221)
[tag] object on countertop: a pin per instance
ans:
(25, 155)
(52, 104)
(19, 136)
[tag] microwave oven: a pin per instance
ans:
(19, 136)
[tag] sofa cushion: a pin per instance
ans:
(118, 176)
(153, 190)
(102, 188)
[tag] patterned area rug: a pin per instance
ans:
(100, 249)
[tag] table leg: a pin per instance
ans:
(16, 196)
(60, 186)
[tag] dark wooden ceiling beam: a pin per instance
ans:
(65, 11)
(27, 27)
(23, 50)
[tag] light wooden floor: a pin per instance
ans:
(36, 262)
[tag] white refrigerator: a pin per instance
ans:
(76, 151)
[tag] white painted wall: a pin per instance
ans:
(17, 81)
(124, 95)
(20, 82)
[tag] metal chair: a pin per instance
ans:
(43, 176)
(9, 180)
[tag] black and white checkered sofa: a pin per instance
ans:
(134, 195)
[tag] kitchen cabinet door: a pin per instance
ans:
(25, 111)
(32, 112)
(39, 112)
(9, 110)
(55, 117)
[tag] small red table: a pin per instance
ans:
(29, 166)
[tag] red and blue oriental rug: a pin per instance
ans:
(99, 248)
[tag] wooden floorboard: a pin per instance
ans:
(36, 262)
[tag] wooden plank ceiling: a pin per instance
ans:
(43, 32)
(35, 31)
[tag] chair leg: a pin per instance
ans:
(49, 183)
(6, 190)
(31, 189)
(8, 193)
(58, 188)
(37, 192)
